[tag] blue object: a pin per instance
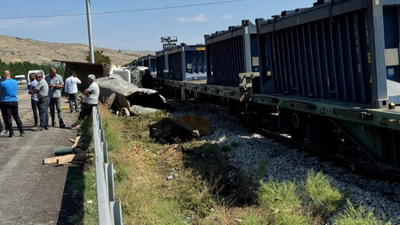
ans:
(186, 62)
(9, 89)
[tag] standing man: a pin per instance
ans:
(34, 98)
(55, 83)
(42, 91)
(91, 99)
(71, 88)
(9, 101)
(2, 113)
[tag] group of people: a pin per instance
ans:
(45, 93)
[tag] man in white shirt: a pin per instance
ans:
(71, 88)
(91, 99)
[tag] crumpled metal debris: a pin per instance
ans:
(122, 94)
(139, 110)
(172, 130)
(200, 123)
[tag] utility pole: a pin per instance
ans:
(89, 22)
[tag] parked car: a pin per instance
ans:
(21, 79)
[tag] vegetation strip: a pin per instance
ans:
(189, 184)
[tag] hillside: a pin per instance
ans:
(14, 49)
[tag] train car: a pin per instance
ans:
(162, 64)
(187, 62)
(333, 69)
(150, 62)
(230, 53)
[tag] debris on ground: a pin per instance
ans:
(79, 146)
(200, 123)
(67, 159)
(63, 150)
(140, 110)
(68, 155)
(171, 130)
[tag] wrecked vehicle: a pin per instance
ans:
(141, 77)
(122, 94)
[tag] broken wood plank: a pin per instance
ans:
(54, 159)
(77, 158)
(76, 142)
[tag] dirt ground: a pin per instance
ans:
(32, 193)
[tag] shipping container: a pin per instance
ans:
(344, 50)
(150, 62)
(187, 62)
(230, 53)
(162, 64)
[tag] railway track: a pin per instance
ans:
(369, 170)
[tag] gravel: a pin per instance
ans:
(285, 163)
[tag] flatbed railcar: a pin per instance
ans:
(148, 61)
(326, 73)
(334, 68)
(230, 53)
(187, 62)
(232, 76)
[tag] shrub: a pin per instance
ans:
(324, 197)
(277, 196)
(359, 216)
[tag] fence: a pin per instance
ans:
(109, 212)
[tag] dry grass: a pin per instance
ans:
(168, 184)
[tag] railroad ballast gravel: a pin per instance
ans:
(285, 163)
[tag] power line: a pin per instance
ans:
(124, 11)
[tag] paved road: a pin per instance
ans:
(32, 193)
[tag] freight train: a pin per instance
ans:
(325, 73)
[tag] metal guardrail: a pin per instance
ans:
(109, 211)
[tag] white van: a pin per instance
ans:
(20, 79)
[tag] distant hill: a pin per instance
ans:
(14, 49)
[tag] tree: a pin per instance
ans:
(19, 68)
(99, 57)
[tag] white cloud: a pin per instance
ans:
(198, 18)
(226, 17)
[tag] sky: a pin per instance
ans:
(136, 30)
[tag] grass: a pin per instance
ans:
(305, 202)
(357, 216)
(168, 184)
(85, 185)
(87, 190)
(325, 199)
